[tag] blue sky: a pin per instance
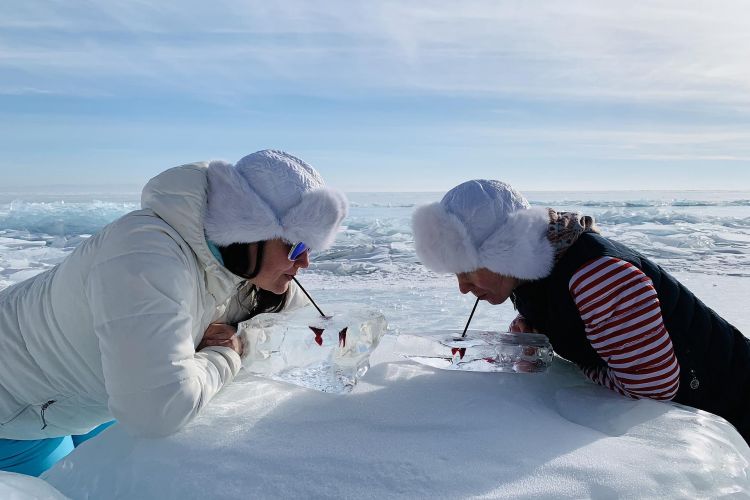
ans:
(387, 95)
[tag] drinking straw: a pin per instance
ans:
(470, 316)
(313, 302)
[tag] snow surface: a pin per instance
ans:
(21, 487)
(411, 431)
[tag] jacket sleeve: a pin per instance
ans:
(620, 310)
(144, 304)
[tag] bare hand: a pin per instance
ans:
(220, 334)
(519, 325)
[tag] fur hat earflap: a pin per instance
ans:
(484, 223)
(520, 247)
(271, 194)
(441, 240)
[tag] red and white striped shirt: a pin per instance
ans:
(620, 310)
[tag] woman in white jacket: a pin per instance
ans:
(137, 323)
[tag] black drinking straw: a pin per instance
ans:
(313, 302)
(470, 316)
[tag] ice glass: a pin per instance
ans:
(479, 350)
(301, 347)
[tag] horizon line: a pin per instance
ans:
(137, 188)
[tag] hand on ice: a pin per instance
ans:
(527, 363)
(519, 325)
(220, 334)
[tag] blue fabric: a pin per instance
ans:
(215, 251)
(77, 440)
(32, 457)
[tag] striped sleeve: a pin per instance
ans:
(620, 310)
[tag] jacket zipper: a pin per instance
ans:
(44, 408)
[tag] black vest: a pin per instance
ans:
(714, 356)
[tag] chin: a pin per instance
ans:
(496, 301)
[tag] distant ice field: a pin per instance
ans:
(703, 237)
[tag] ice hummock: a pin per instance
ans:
(301, 347)
(15, 486)
(483, 351)
(411, 431)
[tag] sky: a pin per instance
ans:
(380, 96)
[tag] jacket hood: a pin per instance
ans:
(178, 196)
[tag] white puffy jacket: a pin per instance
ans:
(112, 330)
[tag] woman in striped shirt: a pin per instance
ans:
(621, 318)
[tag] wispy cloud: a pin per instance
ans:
(578, 49)
(388, 85)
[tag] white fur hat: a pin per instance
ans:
(484, 223)
(271, 194)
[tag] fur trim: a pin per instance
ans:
(518, 248)
(236, 213)
(315, 220)
(441, 240)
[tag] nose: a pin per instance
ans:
(303, 260)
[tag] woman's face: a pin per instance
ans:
(487, 285)
(276, 269)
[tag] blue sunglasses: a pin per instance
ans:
(297, 250)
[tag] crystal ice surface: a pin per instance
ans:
(482, 351)
(301, 347)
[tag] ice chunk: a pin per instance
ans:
(301, 347)
(482, 351)
(21, 486)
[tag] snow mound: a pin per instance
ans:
(21, 487)
(411, 431)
